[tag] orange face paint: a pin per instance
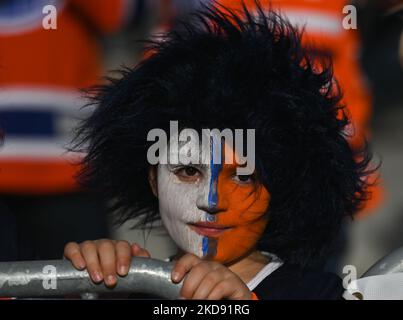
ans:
(243, 206)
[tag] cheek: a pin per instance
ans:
(244, 204)
(170, 203)
(177, 206)
(246, 208)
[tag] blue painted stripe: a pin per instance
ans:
(205, 245)
(215, 151)
(215, 172)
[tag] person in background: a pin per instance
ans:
(41, 74)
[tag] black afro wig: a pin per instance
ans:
(234, 69)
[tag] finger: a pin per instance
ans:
(90, 255)
(138, 251)
(183, 265)
(107, 257)
(206, 285)
(73, 253)
(222, 290)
(123, 257)
(193, 280)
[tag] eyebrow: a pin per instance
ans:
(200, 166)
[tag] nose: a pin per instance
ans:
(204, 205)
(212, 209)
(209, 201)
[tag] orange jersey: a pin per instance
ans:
(41, 72)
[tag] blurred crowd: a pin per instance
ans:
(44, 70)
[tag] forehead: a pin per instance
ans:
(206, 148)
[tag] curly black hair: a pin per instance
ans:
(234, 69)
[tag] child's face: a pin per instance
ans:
(210, 211)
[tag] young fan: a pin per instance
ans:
(240, 236)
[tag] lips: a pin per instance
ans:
(209, 229)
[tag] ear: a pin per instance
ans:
(152, 179)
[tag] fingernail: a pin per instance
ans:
(80, 265)
(97, 276)
(175, 276)
(123, 270)
(182, 298)
(110, 280)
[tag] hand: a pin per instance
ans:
(208, 280)
(104, 259)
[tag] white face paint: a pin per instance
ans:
(182, 202)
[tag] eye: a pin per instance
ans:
(188, 174)
(244, 179)
(190, 171)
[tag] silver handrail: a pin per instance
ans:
(391, 263)
(58, 278)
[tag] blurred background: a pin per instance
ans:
(43, 69)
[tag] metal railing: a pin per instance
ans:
(58, 278)
(391, 263)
